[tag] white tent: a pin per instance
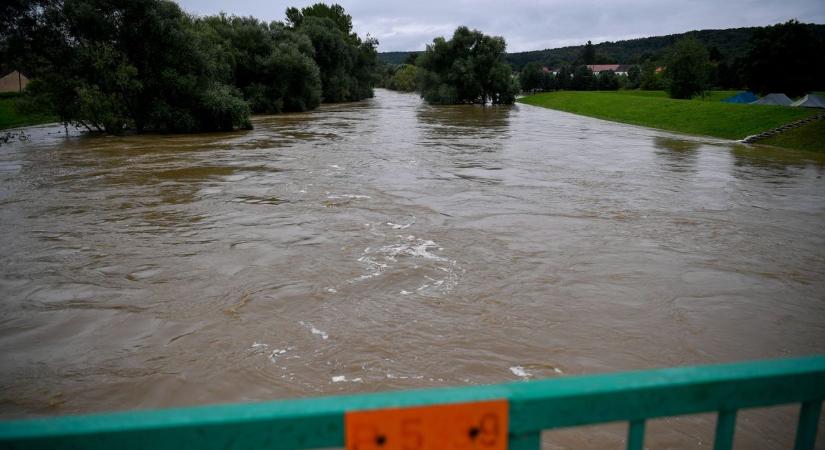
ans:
(810, 101)
(774, 99)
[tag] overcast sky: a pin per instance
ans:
(534, 24)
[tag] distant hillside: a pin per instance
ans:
(394, 57)
(731, 43)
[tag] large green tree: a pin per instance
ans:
(686, 69)
(588, 55)
(531, 77)
(116, 64)
(785, 58)
(404, 78)
(347, 64)
(272, 65)
(649, 78)
(469, 68)
(583, 79)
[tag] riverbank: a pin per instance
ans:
(10, 117)
(707, 118)
(810, 136)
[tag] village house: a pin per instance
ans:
(618, 69)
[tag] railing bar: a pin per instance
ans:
(636, 435)
(526, 441)
(725, 428)
(808, 421)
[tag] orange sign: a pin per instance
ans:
(462, 426)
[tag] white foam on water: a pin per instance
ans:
(420, 253)
(315, 331)
(352, 196)
(332, 290)
(418, 248)
(343, 378)
(397, 226)
(273, 356)
(520, 372)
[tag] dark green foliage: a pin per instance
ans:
(785, 58)
(397, 78)
(404, 79)
(469, 68)
(398, 58)
(548, 81)
(607, 81)
(564, 78)
(686, 69)
(633, 77)
(531, 77)
(583, 79)
(113, 65)
(347, 64)
(731, 43)
(588, 55)
(649, 78)
(116, 64)
(270, 64)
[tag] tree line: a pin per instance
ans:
(786, 57)
(467, 68)
(146, 65)
(730, 44)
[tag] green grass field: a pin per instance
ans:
(10, 117)
(810, 136)
(653, 109)
(710, 96)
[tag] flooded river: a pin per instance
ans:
(388, 245)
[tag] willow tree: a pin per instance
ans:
(469, 68)
(272, 65)
(112, 65)
(347, 64)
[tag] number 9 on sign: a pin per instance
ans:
(462, 426)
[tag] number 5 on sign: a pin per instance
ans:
(463, 426)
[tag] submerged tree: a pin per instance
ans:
(272, 65)
(687, 68)
(404, 78)
(146, 65)
(347, 64)
(116, 64)
(469, 68)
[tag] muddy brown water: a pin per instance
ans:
(388, 244)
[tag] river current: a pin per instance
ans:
(388, 244)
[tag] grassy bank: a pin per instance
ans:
(810, 136)
(10, 117)
(653, 109)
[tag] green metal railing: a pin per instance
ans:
(533, 406)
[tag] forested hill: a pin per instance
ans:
(731, 43)
(394, 57)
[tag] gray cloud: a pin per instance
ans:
(537, 24)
